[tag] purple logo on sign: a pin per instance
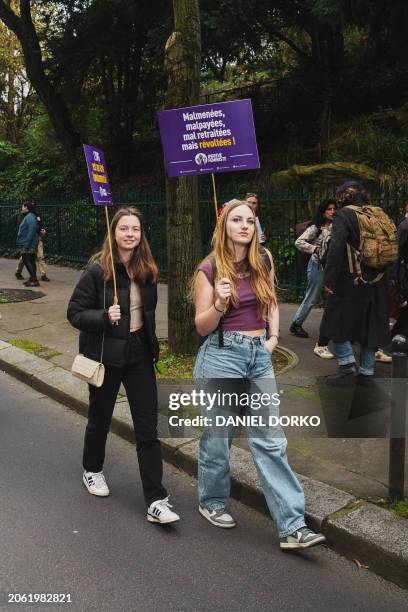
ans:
(217, 137)
(98, 176)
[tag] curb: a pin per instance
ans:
(291, 356)
(353, 527)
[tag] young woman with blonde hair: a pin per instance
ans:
(123, 337)
(235, 303)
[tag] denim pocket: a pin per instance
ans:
(263, 340)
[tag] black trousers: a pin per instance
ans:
(139, 380)
(322, 341)
(29, 262)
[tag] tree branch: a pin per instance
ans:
(23, 27)
(10, 19)
(290, 43)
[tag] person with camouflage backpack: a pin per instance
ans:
(363, 244)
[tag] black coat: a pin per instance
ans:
(87, 313)
(354, 312)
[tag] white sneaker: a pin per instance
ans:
(381, 356)
(302, 538)
(95, 483)
(323, 352)
(159, 512)
(219, 518)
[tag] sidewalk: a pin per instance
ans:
(354, 470)
(357, 466)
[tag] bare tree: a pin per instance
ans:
(183, 60)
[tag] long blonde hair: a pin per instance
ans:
(260, 278)
(142, 266)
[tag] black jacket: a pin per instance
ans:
(88, 313)
(353, 312)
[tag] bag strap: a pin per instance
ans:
(354, 261)
(104, 307)
(219, 326)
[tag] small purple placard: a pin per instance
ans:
(217, 137)
(98, 176)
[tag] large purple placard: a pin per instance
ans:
(98, 175)
(217, 137)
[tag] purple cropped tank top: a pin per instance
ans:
(245, 317)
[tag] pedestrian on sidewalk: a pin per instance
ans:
(123, 337)
(235, 301)
(315, 241)
(356, 309)
(39, 255)
(399, 274)
(27, 241)
(254, 200)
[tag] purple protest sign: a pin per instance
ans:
(217, 137)
(98, 176)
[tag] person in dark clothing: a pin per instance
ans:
(122, 336)
(354, 312)
(27, 241)
(399, 275)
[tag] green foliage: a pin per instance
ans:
(284, 253)
(8, 153)
(171, 365)
(400, 508)
(38, 165)
(329, 60)
(382, 150)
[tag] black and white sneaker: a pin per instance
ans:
(159, 512)
(95, 483)
(301, 538)
(219, 518)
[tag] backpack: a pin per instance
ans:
(301, 257)
(41, 231)
(378, 242)
(267, 263)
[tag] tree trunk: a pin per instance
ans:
(24, 29)
(183, 60)
(327, 57)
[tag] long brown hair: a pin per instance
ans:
(142, 265)
(260, 279)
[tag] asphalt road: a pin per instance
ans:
(56, 538)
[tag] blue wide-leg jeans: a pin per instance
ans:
(243, 368)
(313, 291)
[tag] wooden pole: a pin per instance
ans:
(115, 291)
(215, 195)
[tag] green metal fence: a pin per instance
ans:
(75, 228)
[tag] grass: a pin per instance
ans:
(170, 366)
(173, 366)
(400, 508)
(35, 348)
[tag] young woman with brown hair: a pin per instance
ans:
(235, 303)
(123, 337)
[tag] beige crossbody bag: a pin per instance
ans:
(88, 370)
